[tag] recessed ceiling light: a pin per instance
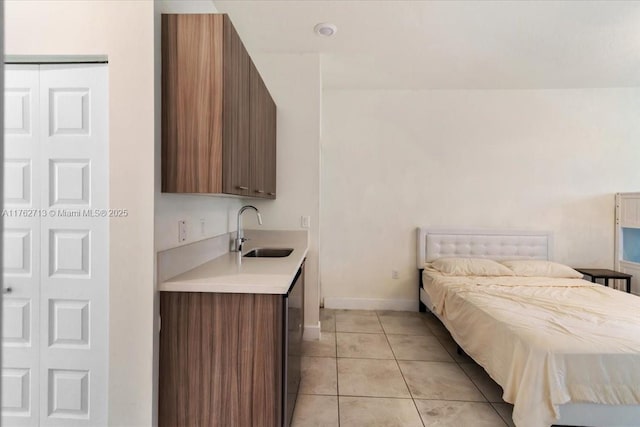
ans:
(325, 30)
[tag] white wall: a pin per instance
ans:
(295, 85)
(533, 159)
(123, 30)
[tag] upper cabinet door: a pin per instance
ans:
(192, 88)
(258, 135)
(270, 145)
(236, 113)
(263, 139)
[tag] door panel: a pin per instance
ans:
(17, 188)
(21, 255)
(74, 287)
(16, 395)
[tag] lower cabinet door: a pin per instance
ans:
(221, 360)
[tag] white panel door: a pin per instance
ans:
(55, 329)
(21, 239)
(74, 288)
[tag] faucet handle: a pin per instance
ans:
(239, 242)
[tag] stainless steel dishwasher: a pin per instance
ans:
(293, 329)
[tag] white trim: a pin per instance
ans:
(311, 333)
(55, 59)
(371, 304)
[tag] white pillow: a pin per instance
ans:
(470, 267)
(541, 268)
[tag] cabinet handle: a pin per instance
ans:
(260, 191)
(240, 187)
(272, 194)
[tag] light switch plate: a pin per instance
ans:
(305, 221)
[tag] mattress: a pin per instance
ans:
(546, 341)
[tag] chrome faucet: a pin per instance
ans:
(240, 239)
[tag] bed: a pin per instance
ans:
(564, 350)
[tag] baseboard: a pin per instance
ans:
(371, 304)
(311, 333)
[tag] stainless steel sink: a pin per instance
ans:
(269, 253)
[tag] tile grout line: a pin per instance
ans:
(500, 415)
(395, 397)
(389, 358)
(468, 376)
(320, 357)
(478, 388)
(465, 372)
(474, 384)
(399, 369)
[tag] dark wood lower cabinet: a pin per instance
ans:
(221, 360)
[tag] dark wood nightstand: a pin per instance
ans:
(605, 274)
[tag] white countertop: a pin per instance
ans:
(231, 273)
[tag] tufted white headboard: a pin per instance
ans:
(494, 244)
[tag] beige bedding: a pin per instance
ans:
(546, 341)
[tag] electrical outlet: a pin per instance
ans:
(305, 221)
(394, 274)
(202, 223)
(182, 231)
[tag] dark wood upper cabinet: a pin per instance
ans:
(218, 118)
(258, 134)
(270, 149)
(263, 138)
(236, 110)
(192, 134)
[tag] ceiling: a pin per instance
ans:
(394, 44)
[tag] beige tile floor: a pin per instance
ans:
(389, 368)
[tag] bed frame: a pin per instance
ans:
(493, 244)
(513, 244)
